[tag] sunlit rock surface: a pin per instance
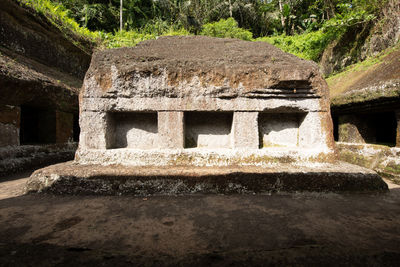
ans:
(203, 101)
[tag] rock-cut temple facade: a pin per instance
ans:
(203, 101)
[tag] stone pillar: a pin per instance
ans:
(96, 130)
(245, 130)
(171, 129)
(64, 126)
(311, 132)
(398, 128)
(10, 118)
(354, 129)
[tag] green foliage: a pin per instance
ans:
(125, 39)
(349, 16)
(308, 46)
(132, 38)
(193, 14)
(260, 17)
(362, 66)
(226, 28)
(298, 16)
(300, 27)
(58, 15)
(104, 14)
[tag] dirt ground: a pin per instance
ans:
(198, 230)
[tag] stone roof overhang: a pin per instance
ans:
(384, 96)
(26, 81)
(199, 66)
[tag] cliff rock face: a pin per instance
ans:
(39, 65)
(362, 41)
(386, 33)
(366, 109)
(374, 86)
(41, 72)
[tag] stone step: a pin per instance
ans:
(72, 178)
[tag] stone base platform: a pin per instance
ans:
(384, 160)
(72, 178)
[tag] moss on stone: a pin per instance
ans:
(357, 159)
(393, 168)
(366, 95)
(344, 131)
(372, 79)
(379, 158)
(393, 178)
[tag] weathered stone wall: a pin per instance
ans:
(71, 178)
(40, 65)
(218, 102)
(245, 130)
(384, 160)
(385, 33)
(174, 120)
(9, 125)
(363, 40)
(133, 130)
(19, 158)
(355, 129)
(30, 34)
(208, 130)
(41, 71)
(280, 129)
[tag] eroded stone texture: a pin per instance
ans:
(14, 159)
(353, 129)
(245, 130)
(382, 159)
(364, 102)
(95, 125)
(9, 125)
(199, 101)
(72, 178)
(41, 71)
(166, 121)
(39, 64)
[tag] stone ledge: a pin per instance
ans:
(200, 157)
(18, 158)
(382, 159)
(72, 178)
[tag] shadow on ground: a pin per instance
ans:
(292, 229)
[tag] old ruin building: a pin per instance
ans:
(203, 101)
(200, 114)
(41, 71)
(366, 113)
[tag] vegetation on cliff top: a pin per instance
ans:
(301, 27)
(353, 74)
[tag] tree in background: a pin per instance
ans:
(261, 17)
(104, 14)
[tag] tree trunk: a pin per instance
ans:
(330, 9)
(282, 17)
(120, 16)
